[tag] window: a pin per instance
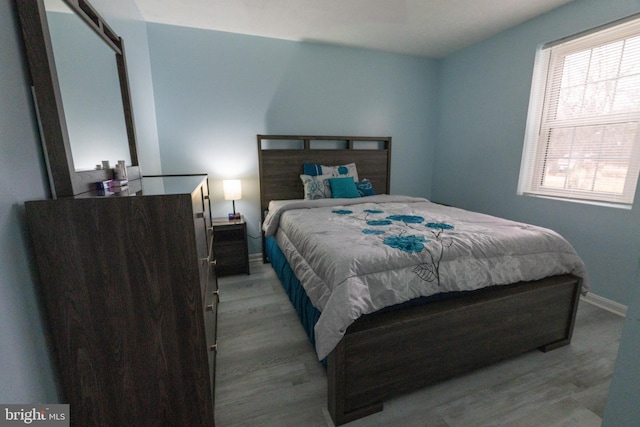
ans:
(583, 137)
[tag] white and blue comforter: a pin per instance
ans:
(356, 256)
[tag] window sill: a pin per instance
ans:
(584, 202)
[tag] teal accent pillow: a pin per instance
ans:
(343, 188)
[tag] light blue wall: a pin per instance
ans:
(215, 91)
(482, 114)
(26, 368)
(26, 372)
(624, 393)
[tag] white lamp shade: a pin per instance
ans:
(232, 189)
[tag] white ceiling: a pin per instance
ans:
(433, 28)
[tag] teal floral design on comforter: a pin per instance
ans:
(394, 231)
(406, 243)
(379, 222)
(409, 219)
(374, 232)
(439, 225)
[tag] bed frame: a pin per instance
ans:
(386, 354)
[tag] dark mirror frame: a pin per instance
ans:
(65, 180)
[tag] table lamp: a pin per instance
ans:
(232, 189)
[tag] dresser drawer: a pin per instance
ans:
(211, 301)
(210, 319)
(229, 234)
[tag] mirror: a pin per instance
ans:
(90, 90)
(81, 93)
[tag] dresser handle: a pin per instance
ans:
(206, 197)
(210, 307)
(204, 260)
(200, 215)
(213, 262)
(213, 347)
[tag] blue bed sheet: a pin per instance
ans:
(306, 311)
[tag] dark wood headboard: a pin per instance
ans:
(281, 157)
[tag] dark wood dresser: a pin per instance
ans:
(131, 295)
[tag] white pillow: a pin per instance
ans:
(316, 187)
(341, 171)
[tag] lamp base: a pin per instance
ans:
(234, 216)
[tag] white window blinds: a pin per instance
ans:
(583, 136)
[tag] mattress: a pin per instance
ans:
(357, 256)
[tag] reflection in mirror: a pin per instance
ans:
(90, 90)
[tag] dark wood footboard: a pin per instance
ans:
(387, 354)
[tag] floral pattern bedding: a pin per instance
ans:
(356, 256)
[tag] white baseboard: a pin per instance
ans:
(605, 303)
(255, 257)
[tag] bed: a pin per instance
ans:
(442, 324)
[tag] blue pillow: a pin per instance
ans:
(343, 188)
(365, 188)
(312, 169)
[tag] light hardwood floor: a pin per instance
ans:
(268, 375)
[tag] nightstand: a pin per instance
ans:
(230, 246)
